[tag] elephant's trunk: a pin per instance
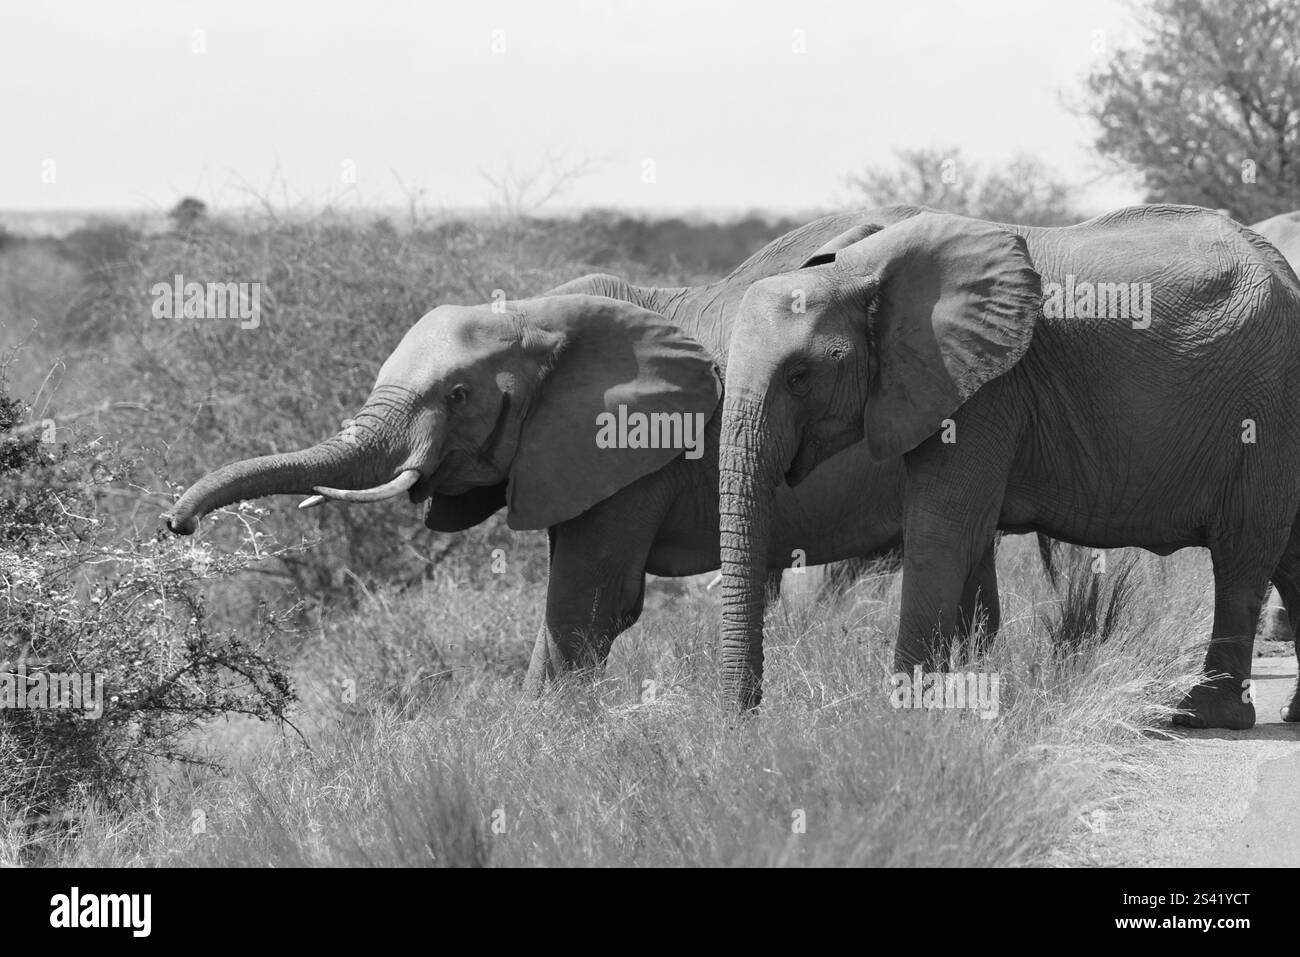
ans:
(368, 453)
(747, 481)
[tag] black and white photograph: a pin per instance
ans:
(672, 434)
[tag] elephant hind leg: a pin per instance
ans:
(1226, 699)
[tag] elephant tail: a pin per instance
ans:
(1046, 553)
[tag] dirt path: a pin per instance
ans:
(1215, 798)
(1268, 835)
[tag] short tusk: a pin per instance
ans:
(377, 494)
(311, 501)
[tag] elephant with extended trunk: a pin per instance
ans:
(1127, 381)
(496, 406)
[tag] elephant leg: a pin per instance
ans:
(596, 588)
(954, 496)
(1286, 579)
(541, 667)
(981, 610)
(952, 505)
(1226, 699)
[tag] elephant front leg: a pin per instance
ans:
(954, 496)
(581, 625)
(939, 592)
(595, 592)
(548, 662)
(541, 667)
(981, 610)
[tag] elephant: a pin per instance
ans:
(492, 406)
(1283, 231)
(1127, 381)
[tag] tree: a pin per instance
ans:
(1024, 191)
(1206, 108)
(518, 192)
(187, 213)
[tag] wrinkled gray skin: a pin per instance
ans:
(1283, 231)
(662, 522)
(931, 339)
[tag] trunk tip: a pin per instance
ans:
(180, 524)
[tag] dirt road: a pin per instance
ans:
(1215, 798)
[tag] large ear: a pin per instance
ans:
(612, 358)
(876, 220)
(455, 513)
(950, 303)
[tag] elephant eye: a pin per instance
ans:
(457, 397)
(796, 380)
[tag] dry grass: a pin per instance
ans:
(416, 747)
(458, 771)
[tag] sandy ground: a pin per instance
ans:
(1215, 798)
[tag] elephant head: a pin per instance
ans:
(877, 339)
(485, 406)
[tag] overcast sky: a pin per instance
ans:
(672, 105)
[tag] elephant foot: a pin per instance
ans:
(1216, 704)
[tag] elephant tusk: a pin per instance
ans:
(377, 494)
(311, 501)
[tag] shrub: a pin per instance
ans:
(128, 615)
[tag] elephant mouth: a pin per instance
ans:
(423, 489)
(452, 489)
(451, 477)
(804, 462)
(814, 450)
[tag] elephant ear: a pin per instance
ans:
(845, 239)
(878, 219)
(455, 513)
(611, 359)
(950, 304)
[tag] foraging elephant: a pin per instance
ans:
(489, 406)
(1125, 381)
